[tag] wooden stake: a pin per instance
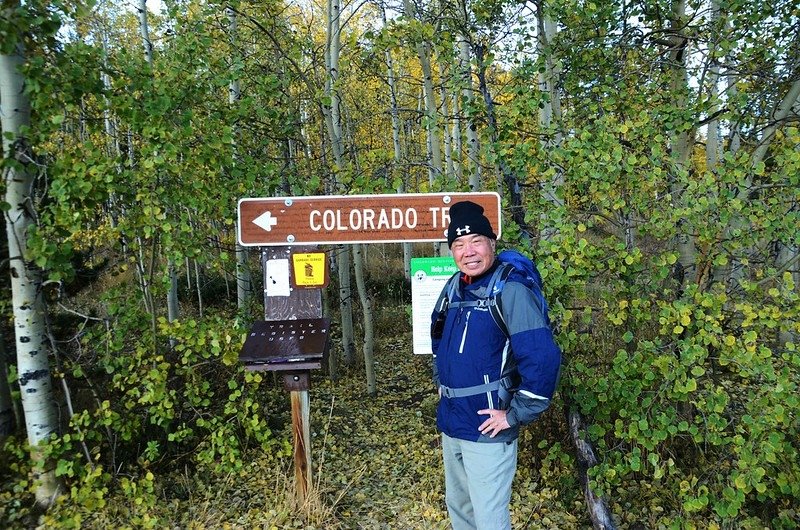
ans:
(302, 442)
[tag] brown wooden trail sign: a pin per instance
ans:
(330, 219)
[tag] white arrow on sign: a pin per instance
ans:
(265, 221)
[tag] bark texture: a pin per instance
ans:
(33, 365)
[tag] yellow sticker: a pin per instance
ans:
(309, 269)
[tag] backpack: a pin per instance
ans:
(509, 260)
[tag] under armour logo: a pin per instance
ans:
(462, 231)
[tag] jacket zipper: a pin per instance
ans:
(464, 335)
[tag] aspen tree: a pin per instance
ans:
(173, 309)
(682, 139)
(399, 180)
(450, 171)
(334, 130)
(713, 135)
(468, 96)
(550, 112)
(510, 178)
(431, 111)
(33, 350)
(243, 280)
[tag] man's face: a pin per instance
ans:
(474, 254)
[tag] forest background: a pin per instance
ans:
(648, 157)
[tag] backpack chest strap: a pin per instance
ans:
(466, 391)
(481, 302)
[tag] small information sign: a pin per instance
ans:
(428, 277)
(310, 270)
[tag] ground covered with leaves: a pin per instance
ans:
(376, 464)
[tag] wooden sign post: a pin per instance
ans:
(292, 339)
(301, 303)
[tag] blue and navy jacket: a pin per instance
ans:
(473, 350)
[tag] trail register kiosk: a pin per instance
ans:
(293, 338)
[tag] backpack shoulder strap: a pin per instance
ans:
(494, 289)
(450, 290)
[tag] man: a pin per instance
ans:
(474, 367)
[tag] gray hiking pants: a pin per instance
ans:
(478, 479)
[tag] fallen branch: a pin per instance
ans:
(597, 506)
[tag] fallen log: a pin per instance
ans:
(596, 505)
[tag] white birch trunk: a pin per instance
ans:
(735, 142)
(734, 270)
(431, 112)
(173, 309)
(334, 127)
(713, 133)
(369, 330)
(345, 305)
(333, 116)
(142, 277)
(144, 30)
(108, 121)
(787, 258)
(550, 113)
(398, 153)
(243, 280)
(458, 152)
(713, 140)
(304, 119)
(173, 312)
(198, 285)
(783, 111)
(681, 142)
(471, 128)
(33, 367)
(450, 170)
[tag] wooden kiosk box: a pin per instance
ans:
(293, 347)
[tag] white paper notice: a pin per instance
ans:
(428, 278)
(277, 278)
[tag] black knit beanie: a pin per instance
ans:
(467, 217)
